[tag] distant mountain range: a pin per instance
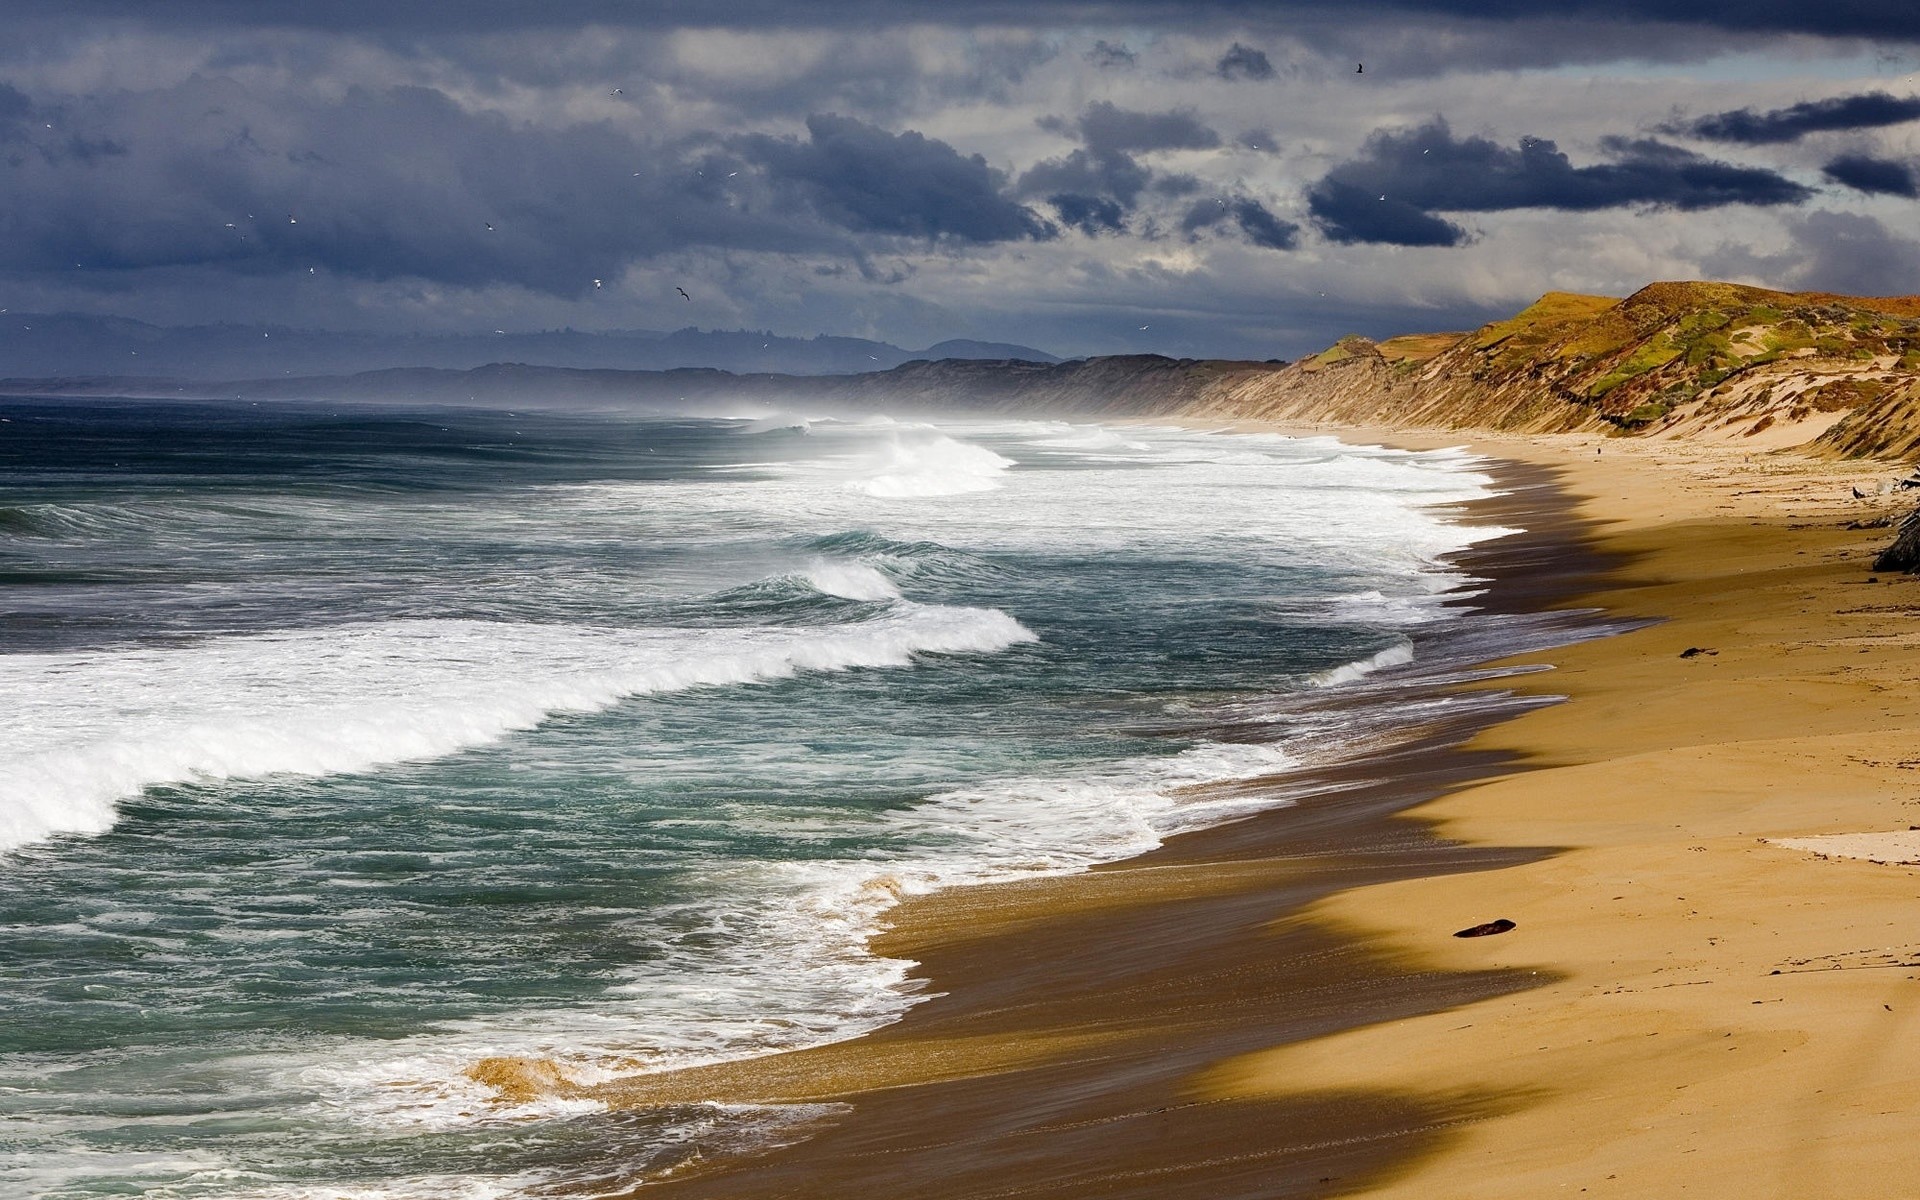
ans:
(73, 344)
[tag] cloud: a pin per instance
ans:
(1403, 177)
(1867, 110)
(1111, 54)
(1853, 254)
(1349, 214)
(1106, 128)
(403, 183)
(1263, 228)
(1083, 172)
(1259, 225)
(1244, 62)
(1879, 19)
(1094, 187)
(1090, 214)
(864, 179)
(1875, 175)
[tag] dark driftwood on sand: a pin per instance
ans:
(1904, 554)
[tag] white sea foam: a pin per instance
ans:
(917, 463)
(708, 995)
(89, 729)
(1397, 655)
(850, 580)
(1374, 607)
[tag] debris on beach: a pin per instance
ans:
(1697, 651)
(1891, 848)
(1904, 553)
(1490, 928)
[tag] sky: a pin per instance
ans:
(1223, 178)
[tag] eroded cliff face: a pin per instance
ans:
(1839, 375)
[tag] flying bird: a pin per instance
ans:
(597, 283)
(616, 92)
(489, 225)
(1146, 327)
(683, 294)
(1359, 68)
(290, 220)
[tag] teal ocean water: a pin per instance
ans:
(344, 747)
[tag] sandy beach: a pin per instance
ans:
(1278, 1008)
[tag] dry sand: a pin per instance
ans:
(1276, 1008)
(1728, 1017)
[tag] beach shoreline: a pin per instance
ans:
(1218, 1018)
(990, 1030)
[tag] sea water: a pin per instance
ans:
(341, 748)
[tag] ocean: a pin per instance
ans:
(346, 746)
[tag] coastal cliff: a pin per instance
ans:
(1712, 361)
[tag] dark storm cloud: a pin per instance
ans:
(14, 107)
(1243, 62)
(1095, 186)
(1402, 177)
(1083, 172)
(396, 183)
(1263, 228)
(1090, 214)
(865, 179)
(1105, 128)
(1880, 19)
(1259, 225)
(1866, 174)
(1349, 214)
(1869, 110)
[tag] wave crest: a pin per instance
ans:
(95, 728)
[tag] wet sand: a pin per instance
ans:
(1277, 1007)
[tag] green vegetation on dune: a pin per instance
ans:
(1678, 358)
(1636, 360)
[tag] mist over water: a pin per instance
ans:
(347, 747)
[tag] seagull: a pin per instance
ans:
(597, 283)
(311, 271)
(290, 220)
(499, 331)
(489, 225)
(1146, 327)
(1359, 68)
(616, 92)
(683, 294)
